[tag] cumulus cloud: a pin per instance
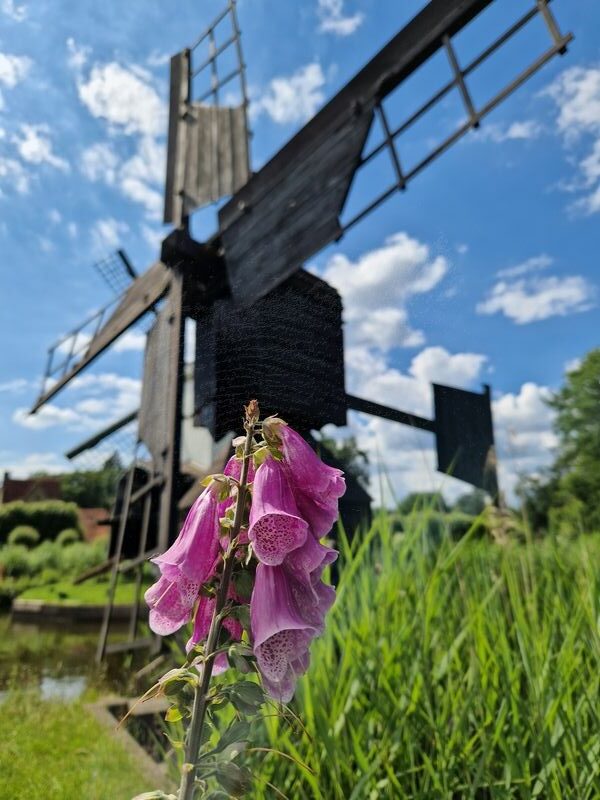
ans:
(294, 98)
(332, 18)
(15, 385)
(19, 466)
(124, 97)
(14, 175)
(13, 69)
(576, 95)
(95, 401)
(526, 267)
(377, 285)
(519, 130)
(99, 162)
(18, 13)
(525, 440)
(537, 298)
(34, 146)
(107, 234)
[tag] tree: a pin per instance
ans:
(419, 501)
(471, 503)
(93, 488)
(571, 486)
(353, 460)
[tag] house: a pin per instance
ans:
(30, 489)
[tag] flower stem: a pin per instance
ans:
(194, 734)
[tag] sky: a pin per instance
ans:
(483, 271)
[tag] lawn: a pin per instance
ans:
(60, 752)
(90, 592)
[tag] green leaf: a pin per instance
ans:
(173, 714)
(238, 731)
(241, 613)
(217, 795)
(243, 582)
(234, 779)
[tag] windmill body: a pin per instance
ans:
(266, 328)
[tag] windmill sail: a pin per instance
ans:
(143, 293)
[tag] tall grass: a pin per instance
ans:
(449, 670)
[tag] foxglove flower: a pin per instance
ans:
(276, 528)
(186, 565)
(316, 486)
(287, 611)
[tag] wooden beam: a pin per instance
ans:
(143, 293)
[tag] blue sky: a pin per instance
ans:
(484, 270)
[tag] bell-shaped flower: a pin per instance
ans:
(186, 565)
(316, 486)
(276, 528)
(287, 611)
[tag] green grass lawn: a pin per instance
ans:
(89, 592)
(60, 752)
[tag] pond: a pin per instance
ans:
(56, 660)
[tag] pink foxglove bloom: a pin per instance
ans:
(276, 528)
(186, 565)
(287, 611)
(316, 486)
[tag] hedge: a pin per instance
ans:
(48, 517)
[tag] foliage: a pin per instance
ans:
(422, 501)
(21, 568)
(570, 490)
(25, 535)
(472, 503)
(59, 752)
(351, 458)
(68, 536)
(463, 670)
(48, 517)
(93, 488)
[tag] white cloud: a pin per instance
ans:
(519, 130)
(131, 340)
(333, 20)
(152, 236)
(15, 385)
(537, 298)
(95, 401)
(99, 162)
(72, 229)
(294, 98)
(525, 441)
(13, 69)
(23, 466)
(462, 249)
(533, 264)
(576, 94)
(13, 174)
(376, 287)
(107, 234)
(46, 245)
(18, 13)
(34, 146)
(139, 178)
(55, 216)
(572, 365)
(125, 98)
(77, 55)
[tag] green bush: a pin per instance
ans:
(49, 517)
(25, 535)
(68, 536)
(14, 560)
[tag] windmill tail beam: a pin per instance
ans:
(101, 435)
(141, 296)
(393, 414)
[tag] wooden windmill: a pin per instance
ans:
(264, 326)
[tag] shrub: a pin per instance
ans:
(80, 556)
(25, 535)
(14, 560)
(49, 517)
(68, 536)
(46, 556)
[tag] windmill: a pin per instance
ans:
(264, 326)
